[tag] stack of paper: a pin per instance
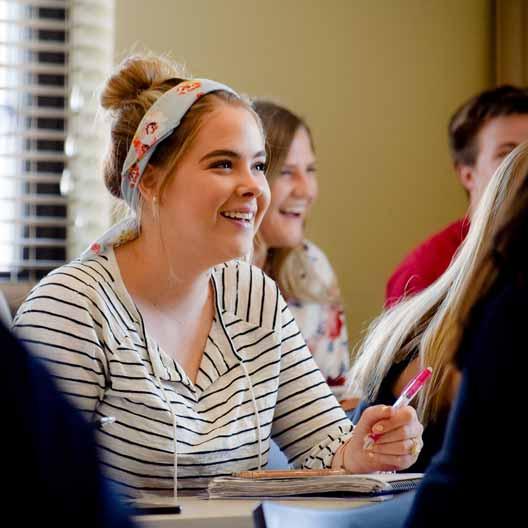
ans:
(335, 485)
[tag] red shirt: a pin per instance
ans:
(426, 263)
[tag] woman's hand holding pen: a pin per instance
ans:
(397, 444)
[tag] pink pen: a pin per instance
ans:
(409, 392)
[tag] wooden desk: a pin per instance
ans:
(220, 513)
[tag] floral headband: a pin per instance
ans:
(157, 124)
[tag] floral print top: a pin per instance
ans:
(324, 326)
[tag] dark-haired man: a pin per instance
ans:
(482, 132)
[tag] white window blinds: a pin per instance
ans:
(54, 55)
(91, 62)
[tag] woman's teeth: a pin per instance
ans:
(292, 211)
(246, 217)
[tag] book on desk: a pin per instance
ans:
(303, 483)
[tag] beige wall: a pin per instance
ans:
(377, 81)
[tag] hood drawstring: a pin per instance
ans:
(246, 373)
(255, 410)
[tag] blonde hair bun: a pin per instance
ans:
(136, 84)
(139, 80)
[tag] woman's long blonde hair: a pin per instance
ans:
(291, 268)
(432, 321)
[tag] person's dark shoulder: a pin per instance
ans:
(497, 322)
(53, 447)
(463, 476)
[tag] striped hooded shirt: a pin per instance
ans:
(83, 323)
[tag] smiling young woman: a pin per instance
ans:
(162, 325)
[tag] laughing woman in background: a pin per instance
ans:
(304, 274)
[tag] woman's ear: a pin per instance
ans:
(150, 183)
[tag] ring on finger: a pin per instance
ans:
(415, 447)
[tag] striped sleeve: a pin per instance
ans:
(60, 324)
(309, 424)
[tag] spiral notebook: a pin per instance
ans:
(296, 483)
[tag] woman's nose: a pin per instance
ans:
(251, 184)
(304, 185)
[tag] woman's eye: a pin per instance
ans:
(261, 167)
(286, 172)
(222, 164)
